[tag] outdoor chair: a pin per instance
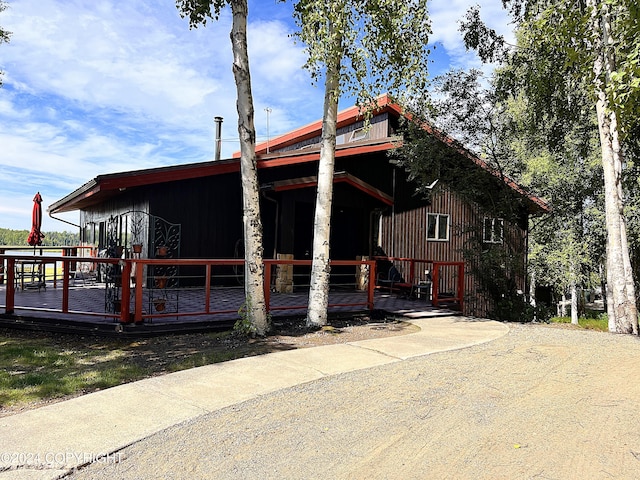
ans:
(85, 274)
(392, 280)
(29, 276)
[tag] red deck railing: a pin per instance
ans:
(134, 273)
(447, 282)
(446, 278)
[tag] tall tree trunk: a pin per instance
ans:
(574, 303)
(253, 248)
(621, 302)
(532, 289)
(320, 268)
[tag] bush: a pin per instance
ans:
(516, 308)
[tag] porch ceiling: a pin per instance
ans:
(339, 177)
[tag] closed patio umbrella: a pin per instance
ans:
(35, 236)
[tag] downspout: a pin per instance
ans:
(61, 220)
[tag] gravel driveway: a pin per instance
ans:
(538, 403)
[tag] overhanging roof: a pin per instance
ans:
(107, 186)
(312, 130)
(386, 104)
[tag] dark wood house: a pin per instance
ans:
(196, 209)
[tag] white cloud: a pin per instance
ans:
(99, 86)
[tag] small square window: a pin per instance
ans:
(492, 230)
(437, 227)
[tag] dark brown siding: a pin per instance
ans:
(404, 234)
(378, 128)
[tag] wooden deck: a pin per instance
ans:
(40, 309)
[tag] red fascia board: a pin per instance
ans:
(292, 160)
(347, 151)
(368, 189)
(153, 177)
(295, 186)
(69, 206)
(106, 184)
(453, 143)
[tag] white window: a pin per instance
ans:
(437, 227)
(492, 230)
(359, 134)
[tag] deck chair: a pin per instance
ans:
(392, 278)
(85, 274)
(29, 276)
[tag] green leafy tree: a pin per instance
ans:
(199, 11)
(556, 161)
(16, 238)
(559, 161)
(589, 47)
(364, 49)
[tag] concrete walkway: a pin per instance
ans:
(48, 442)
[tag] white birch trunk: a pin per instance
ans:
(621, 303)
(532, 289)
(320, 268)
(254, 266)
(574, 303)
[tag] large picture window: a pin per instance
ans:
(437, 227)
(493, 230)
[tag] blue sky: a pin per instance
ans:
(101, 86)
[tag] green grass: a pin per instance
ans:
(592, 321)
(36, 367)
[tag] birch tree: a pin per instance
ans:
(621, 298)
(363, 49)
(591, 45)
(199, 11)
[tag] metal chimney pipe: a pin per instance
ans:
(218, 121)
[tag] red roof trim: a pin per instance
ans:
(104, 184)
(462, 150)
(312, 155)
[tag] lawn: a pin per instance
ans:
(592, 321)
(37, 367)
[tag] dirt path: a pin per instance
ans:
(539, 403)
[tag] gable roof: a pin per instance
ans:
(103, 187)
(386, 104)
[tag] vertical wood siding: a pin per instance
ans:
(404, 234)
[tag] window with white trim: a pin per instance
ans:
(437, 227)
(361, 133)
(492, 230)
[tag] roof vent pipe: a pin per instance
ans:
(218, 121)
